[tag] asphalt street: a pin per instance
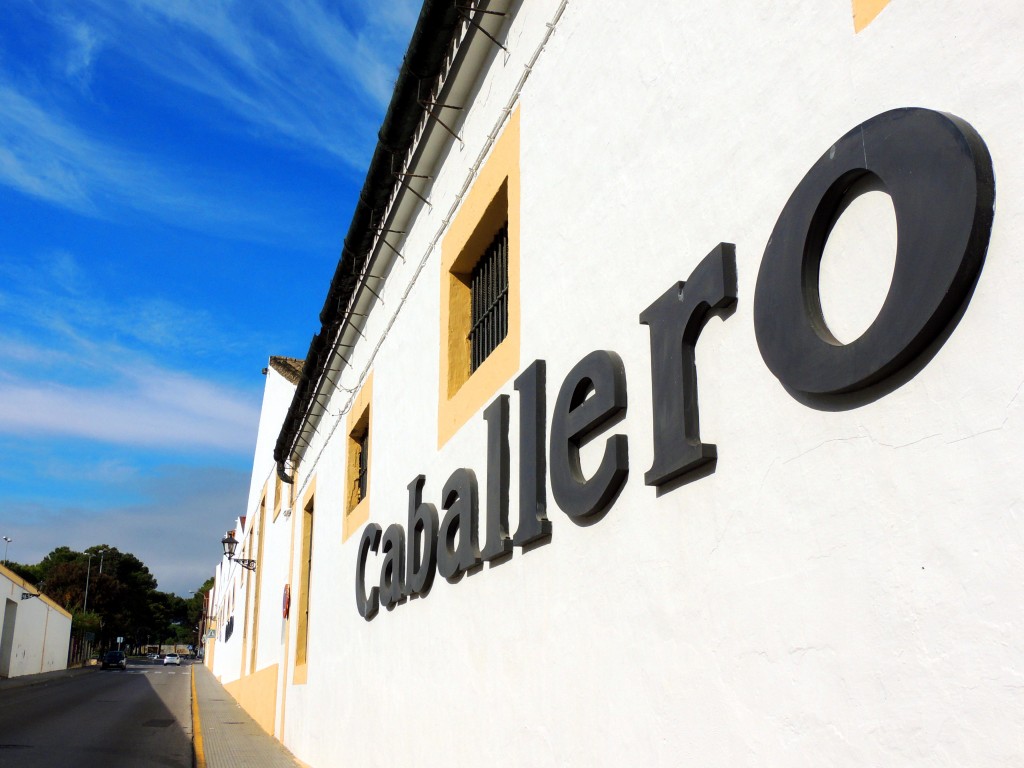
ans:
(139, 717)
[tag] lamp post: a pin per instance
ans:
(88, 569)
(7, 543)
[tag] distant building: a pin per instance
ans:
(35, 632)
(666, 407)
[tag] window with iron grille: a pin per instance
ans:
(362, 443)
(489, 300)
(480, 293)
(356, 504)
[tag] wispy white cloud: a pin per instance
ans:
(81, 52)
(364, 54)
(150, 408)
(52, 298)
(297, 73)
(297, 76)
(81, 366)
(110, 472)
(45, 156)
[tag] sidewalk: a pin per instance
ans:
(42, 678)
(224, 736)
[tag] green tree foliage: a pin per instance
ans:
(113, 594)
(86, 621)
(29, 573)
(196, 602)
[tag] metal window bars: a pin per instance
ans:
(362, 465)
(489, 300)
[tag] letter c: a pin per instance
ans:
(367, 605)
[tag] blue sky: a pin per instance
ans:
(176, 179)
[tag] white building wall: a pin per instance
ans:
(40, 629)
(272, 567)
(843, 588)
(233, 657)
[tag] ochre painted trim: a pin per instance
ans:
(865, 11)
(261, 529)
(257, 695)
(357, 511)
(307, 497)
(307, 511)
(493, 196)
(247, 579)
(277, 495)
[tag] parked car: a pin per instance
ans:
(114, 659)
(172, 658)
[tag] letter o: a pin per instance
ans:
(938, 172)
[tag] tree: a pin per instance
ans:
(198, 601)
(122, 601)
(56, 557)
(29, 573)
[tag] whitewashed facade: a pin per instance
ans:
(841, 587)
(35, 632)
(245, 626)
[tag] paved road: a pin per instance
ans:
(100, 719)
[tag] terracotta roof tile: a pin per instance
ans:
(289, 367)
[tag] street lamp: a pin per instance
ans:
(88, 569)
(102, 552)
(229, 542)
(7, 543)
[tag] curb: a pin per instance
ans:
(198, 755)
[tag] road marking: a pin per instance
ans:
(197, 731)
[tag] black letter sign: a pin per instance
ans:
(498, 542)
(421, 541)
(592, 393)
(392, 571)
(676, 320)
(367, 605)
(458, 499)
(938, 173)
(533, 503)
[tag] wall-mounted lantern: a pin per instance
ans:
(229, 542)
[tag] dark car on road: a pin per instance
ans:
(114, 659)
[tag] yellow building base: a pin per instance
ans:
(257, 695)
